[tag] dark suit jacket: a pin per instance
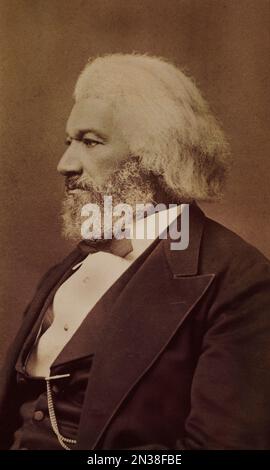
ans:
(182, 359)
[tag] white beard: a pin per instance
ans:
(128, 185)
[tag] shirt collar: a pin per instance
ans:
(148, 229)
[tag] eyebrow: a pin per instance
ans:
(78, 135)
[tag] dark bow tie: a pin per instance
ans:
(116, 247)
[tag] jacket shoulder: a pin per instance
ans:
(223, 250)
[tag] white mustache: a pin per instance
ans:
(72, 184)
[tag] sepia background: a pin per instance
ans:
(224, 44)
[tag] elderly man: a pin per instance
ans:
(128, 343)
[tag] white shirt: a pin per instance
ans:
(76, 297)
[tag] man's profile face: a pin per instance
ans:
(98, 162)
(95, 144)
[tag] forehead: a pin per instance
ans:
(90, 113)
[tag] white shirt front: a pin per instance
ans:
(76, 297)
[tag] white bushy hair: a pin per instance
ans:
(164, 119)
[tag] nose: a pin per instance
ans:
(69, 163)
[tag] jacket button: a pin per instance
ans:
(38, 415)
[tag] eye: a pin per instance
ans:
(90, 142)
(68, 141)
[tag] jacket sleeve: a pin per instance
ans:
(230, 406)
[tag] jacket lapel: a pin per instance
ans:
(146, 315)
(37, 307)
(85, 340)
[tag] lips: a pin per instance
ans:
(73, 184)
(73, 190)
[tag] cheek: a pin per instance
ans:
(102, 161)
(98, 168)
